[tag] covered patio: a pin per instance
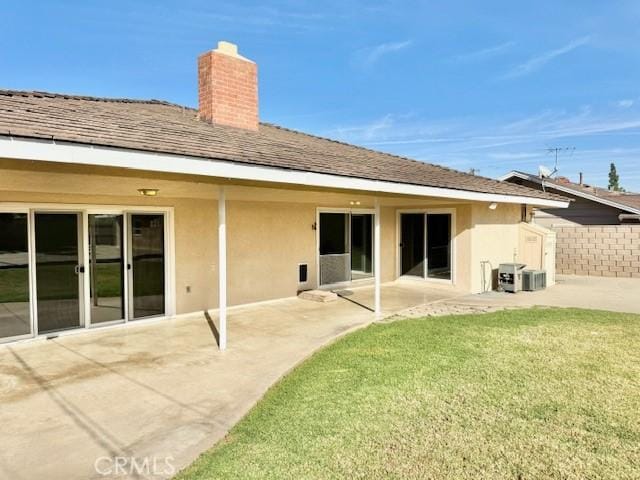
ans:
(163, 390)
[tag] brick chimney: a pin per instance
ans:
(228, 88)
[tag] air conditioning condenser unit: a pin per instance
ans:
(533, 280)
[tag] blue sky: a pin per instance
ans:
(488, 85)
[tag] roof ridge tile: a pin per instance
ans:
(91, 98)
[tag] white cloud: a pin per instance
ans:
(367, 132)
(626, 103)
(485, 53)
(497, 145)
(537, 62)
(490, 137)
(371, 55)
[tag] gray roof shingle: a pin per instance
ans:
(158, 126)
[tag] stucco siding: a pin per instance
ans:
(270, 230)
(265, 244)
(463, 247)
(495, 239)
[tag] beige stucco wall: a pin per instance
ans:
(463, 247)
(494, 240)
(269, 229)
(265, 244)
(388, 244)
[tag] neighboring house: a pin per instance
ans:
(599, 234)
(589, 205)
(114, 210)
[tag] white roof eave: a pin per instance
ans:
(76, 153)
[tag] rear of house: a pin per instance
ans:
(116, 210)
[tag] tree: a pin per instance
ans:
(614, 178)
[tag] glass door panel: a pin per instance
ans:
(15, 319)
(412, 244)
(106, 268)
(335, 260)
(148, 265)
(361, 246)
(439, 246)
(58, 271)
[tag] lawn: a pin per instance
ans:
(527, 394)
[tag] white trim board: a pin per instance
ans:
(571, 191)
(66, 152)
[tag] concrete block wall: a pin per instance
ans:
(604, 251)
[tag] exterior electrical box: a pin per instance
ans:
(510, 277)
(533, 280)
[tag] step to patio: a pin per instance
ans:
(318, 296)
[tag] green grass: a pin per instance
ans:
(529, 394)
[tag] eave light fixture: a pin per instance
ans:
(148, 192)
(493, 206)
(354, 203)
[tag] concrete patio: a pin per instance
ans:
(597, 293)
(161, 390)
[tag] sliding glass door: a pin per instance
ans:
(346, 246)
(59, 271)
(106, 268)
(15, 315)
(147, 253)
(62, 270)
(425, 245)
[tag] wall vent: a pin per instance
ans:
(303, 273)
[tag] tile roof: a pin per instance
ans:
(163, 127)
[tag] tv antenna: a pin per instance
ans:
(557, 150)
(545, 172)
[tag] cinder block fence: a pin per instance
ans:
(605, 251)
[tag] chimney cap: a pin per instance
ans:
(231, 49)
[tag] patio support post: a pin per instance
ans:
(222, 268)
(377, 260)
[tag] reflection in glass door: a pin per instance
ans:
(15, 319)
(335, 257)
(58, 271)
(439, 246)
(361, 245)
(147, 255)
(412, 244)
(106, 268)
